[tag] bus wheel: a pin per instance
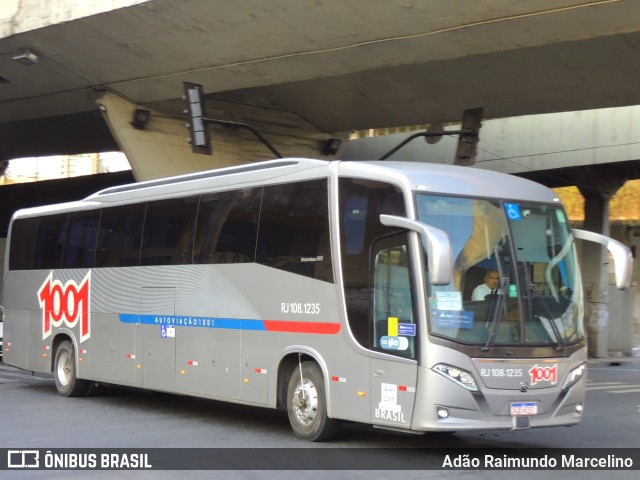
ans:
(64, 372)
(307, 405)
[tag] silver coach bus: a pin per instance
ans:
(334, 290)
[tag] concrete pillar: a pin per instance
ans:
(624, 328)
(595, 270)
(160, 149)
(604, 330)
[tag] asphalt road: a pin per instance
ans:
(35, 416)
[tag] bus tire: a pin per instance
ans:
(64, 372)
(307, 404)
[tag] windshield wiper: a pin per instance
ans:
(497, 313)
(533, 289)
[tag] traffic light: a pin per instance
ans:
(200, 139)
(468, 139)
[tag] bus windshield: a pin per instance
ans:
(515, 281)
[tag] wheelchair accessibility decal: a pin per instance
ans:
(513, 211)
(167, 331)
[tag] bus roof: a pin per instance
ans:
(418, 176)
(229, 176)
(451, 180)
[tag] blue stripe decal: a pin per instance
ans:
(189, 321)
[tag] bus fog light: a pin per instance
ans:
(442, 413)
(579, 409)
(457, 375)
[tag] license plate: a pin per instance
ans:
(524, 409)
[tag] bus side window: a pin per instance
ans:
(169, 226)
(23, 241)
(227, 226)
(50, 241)
(294, 229)
(82, 234)
(120, 235)
(361, 203)
(355, 222)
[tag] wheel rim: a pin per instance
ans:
(64, 369)
(305, 402)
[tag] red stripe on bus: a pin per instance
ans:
(302, 327)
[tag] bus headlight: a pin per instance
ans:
(574, 376)
(457, 375)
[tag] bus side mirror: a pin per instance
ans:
(436, 243)
(622, 258)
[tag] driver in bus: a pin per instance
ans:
(490, 285)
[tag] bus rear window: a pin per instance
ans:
(23, 240)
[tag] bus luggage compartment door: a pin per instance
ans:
(159, 349)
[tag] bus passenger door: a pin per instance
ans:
(159, 347)
(393, 332)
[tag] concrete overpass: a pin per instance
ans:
(73, 71)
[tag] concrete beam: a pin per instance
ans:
(529, 143)
(161, 149)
